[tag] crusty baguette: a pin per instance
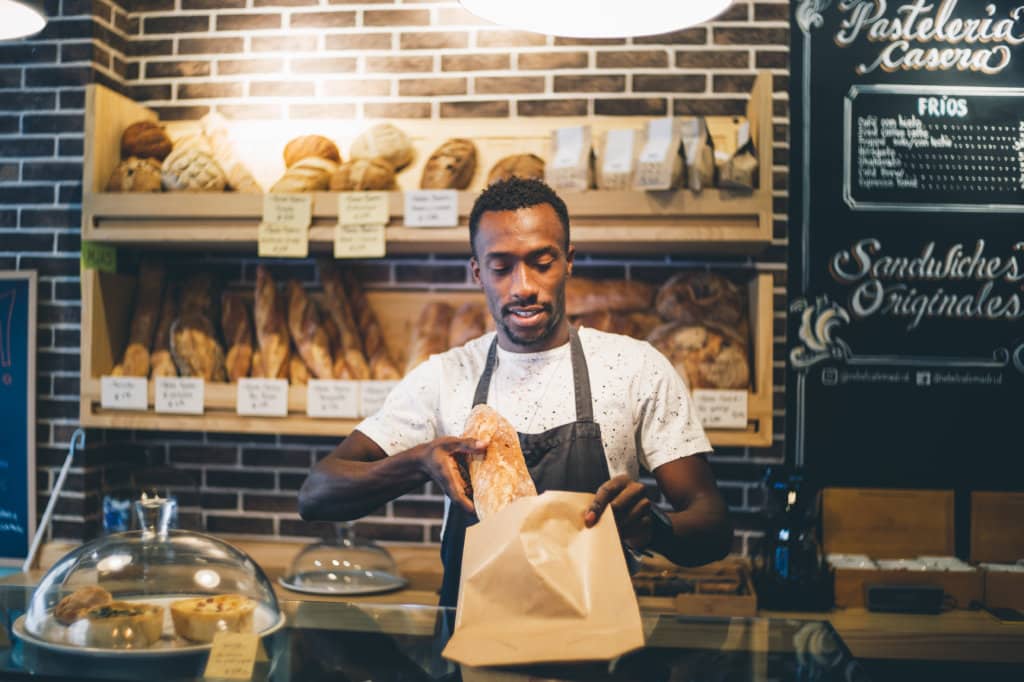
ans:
(135, 362)
(161, 364)
(309, 335)
(584, 296)
(237, 328)
(500, 476)
(195, 348)
(339, 310)
(430, 334)
(271, 329)
(382, 366)
(298, 373)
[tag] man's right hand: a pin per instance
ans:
(440, 460)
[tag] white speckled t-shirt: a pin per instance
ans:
(640, 402)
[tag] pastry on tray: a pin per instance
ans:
(73, 607)
(124, 625)
(200, 618)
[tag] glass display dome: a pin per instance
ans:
(343, 565)
(154, 591)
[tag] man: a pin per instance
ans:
(590, 407)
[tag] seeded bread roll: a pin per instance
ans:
(147, 140)
(451, 166)
(499, 477)
(310, 146)
(136, 175)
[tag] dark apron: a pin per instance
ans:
(568, 457)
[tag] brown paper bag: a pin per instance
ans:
(539, 587)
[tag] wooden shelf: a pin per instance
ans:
(720, 221)
(106, 308)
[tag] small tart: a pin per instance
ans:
(73, 607)
(200, 618)
(124, 625)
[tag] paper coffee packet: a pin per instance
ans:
(740, 170)
(698, 150)
(616, 159)
(660, 164)
(571, 165)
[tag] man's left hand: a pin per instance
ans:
(629, 503)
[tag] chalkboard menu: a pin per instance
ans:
(17, 414)
(905, 337)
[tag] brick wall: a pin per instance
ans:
(280, 59)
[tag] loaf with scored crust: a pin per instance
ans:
(499, 476)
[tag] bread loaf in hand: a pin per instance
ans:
(499, 476)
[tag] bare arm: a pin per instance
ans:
(358, 476)
(701, 530)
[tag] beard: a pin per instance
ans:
(556, 313)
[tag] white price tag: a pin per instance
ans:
(359, 241)
(284, 231)
(179, 395)
(332, 398)
(262, 397)
(721, 409)
(123, 393)
(568, 147)
(659, 136)
(618, 156)
(374, 393)
(432, 208)
(363, 208)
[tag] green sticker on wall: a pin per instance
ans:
(102, 257)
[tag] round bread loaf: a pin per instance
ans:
(310, 146)
(363, 175)
(146, 140)
(135, 175)
(451, 166)
(703, 357)
(385, 141)
(311, 174)
(192, 170)
(701, 297)
(528, 166)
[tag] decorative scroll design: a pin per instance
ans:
(808, 14)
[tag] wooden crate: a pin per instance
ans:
(893, 524)
(603, 221)
(997, 536)
(106, 307)
(701, 603)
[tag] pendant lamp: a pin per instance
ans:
(20, 18)
(597, 18)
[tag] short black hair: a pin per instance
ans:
(511, 195)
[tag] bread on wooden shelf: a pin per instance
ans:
(192, 170)
(311, 174)
(307, 146)
(703, 357)
(236, 324)
(584, 296)
(271, 326)
(450, 166)
(145, 311)
(528, 166)
(385, 141)
(239, 177)
(136, 175)
(703, 297)
(468, 322)
(382, 365)
(195, 345)
(298, 373)
(308, 333)
(363, 175)
(336, 301)
(146, 140)
(161, 363)
(430, 333)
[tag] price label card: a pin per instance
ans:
(659, 136)
(332, 398)
(719, 409)
(179, 395)
(618, 156)
(432, 208)
(363, 208)
(232, 656)
(359, 241)
(277, 240)
(262, 397)
(294, 210)
(102, 257)
(374, 393)
(568, 147)
(123, 393)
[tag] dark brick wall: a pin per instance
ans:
(308, 58)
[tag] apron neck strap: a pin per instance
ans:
(580, 377)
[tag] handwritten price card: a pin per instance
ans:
(284, 232)
(374, 393)
(432, 208)
(363, 208)
(262, 398)
(123, 393)
(179, 395)
(232, 656)
(332, 398)
(360, 229)
(719, 409)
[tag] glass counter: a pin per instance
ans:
(344, 641)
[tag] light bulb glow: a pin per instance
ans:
(597, 18)
(18, 19)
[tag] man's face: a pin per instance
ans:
(521, 263)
